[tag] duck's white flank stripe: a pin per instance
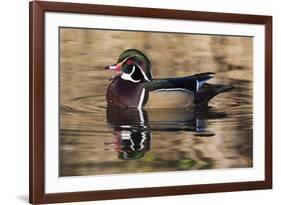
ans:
(175, 89)
(141, 98)
(197, 85)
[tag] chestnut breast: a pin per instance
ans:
(124, 93)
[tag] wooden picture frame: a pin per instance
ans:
(38, 9)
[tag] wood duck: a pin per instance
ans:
(134, 87)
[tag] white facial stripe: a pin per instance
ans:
(145, 77)
(126, 76)
(127, 58)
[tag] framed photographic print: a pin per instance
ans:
(139, 102)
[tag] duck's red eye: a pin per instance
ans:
(129, 62)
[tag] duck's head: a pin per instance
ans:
(132, 65)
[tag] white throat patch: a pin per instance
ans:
(127, 76)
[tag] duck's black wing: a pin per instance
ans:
(191, 83)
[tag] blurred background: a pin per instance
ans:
(92, 140)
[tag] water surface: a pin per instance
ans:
(96, 140)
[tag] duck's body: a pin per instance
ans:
(125, 94)
(134, 86)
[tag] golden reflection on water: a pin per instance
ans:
(96, 140)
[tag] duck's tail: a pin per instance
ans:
(208, 91)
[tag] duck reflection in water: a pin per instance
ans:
(133, 128)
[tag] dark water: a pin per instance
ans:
(95, 140)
